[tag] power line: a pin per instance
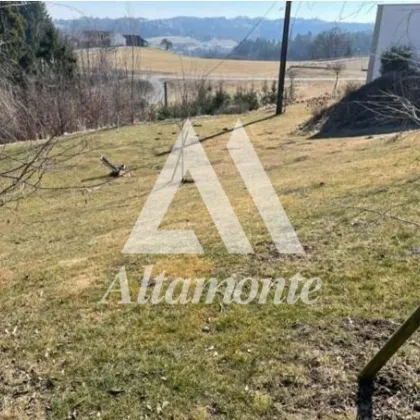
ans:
(243, 40)
(295, 18)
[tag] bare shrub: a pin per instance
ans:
(349, 88)
(337, 67)
(50, 104)
(318, 106)
(9, 124)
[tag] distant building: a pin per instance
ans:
(135, 41)
(396, 25)
(117, 40)
(100, 39)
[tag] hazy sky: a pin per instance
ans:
(332, 11)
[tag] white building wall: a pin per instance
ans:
(396, 24)
(117, 40)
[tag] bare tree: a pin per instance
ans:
(337, 67)
(331, 44)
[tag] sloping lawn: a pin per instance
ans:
(64, 355)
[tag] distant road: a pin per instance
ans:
(257, 78)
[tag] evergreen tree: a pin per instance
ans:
(12, 34)
(29, 39)
(396, 59)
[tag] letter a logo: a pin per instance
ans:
(189, 155)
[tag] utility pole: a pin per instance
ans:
(283, 58)
(165, 94)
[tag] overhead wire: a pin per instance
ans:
(244, 39)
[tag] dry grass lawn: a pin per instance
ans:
(153, 60)
(65, 356)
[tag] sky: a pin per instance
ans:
(347, 11)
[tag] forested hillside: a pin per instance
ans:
(333, 43)
(310, 38)
(205, 29)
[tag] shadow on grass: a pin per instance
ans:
(220, 133)
(364, 400)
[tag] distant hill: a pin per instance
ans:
(207, 29)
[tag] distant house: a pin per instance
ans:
(101, 39)
(118, 40)
(135, 41)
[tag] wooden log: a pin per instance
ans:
(404, 332)
(115, 171)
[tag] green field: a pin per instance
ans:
(65, 356)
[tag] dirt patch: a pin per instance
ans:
(333, 359)
(24, 394)
(268, 251)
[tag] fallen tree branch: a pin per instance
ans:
(385, 214)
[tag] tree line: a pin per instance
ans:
(30, 43)
(330, 44)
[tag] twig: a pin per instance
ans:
(390, 216)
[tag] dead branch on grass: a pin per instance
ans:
(385, 214)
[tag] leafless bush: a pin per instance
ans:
(21, 171)
(337, 67)
(318, 106)
(50, 104)
(349, 88)
(9, 124)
